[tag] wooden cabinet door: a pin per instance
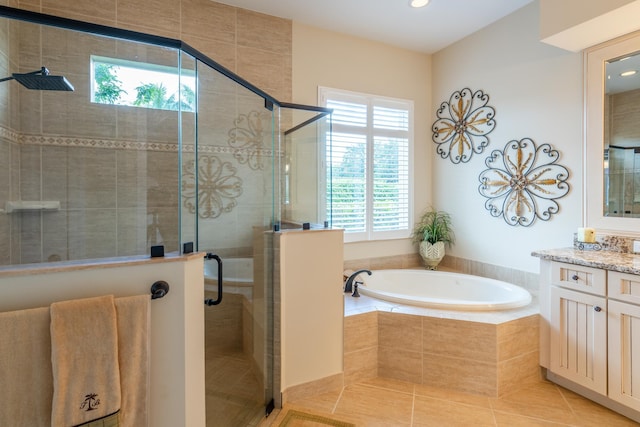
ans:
(579, 338)
(624, 353)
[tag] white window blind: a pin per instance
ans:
(370, 165)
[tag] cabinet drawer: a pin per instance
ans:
(624, 287)
(580, 278)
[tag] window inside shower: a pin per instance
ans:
(141, 84)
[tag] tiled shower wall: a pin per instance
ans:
(114, 169)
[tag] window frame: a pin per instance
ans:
(324, 95)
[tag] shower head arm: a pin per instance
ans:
(44, 71)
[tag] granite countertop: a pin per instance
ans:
(608, 260)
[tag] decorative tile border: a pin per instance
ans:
(116, 144)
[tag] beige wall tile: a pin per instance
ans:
(92, 180)
(33, 5)
(74, 114)
(223, 325)
(162, 179)
(464, 375)
(30, 172)
(221, 52)
(132, 232)
(163, 228)
(132, 178)
(54, 175)
(161, 15)
(518, 371)
(54, 236)
(30, 237)
(5, 171)
(400, 331)
(29, 118)
(65, 52)
(264, 32)
(99, 12)
(144, 27)
(456, 338)
(206, 19)
(399, 364)
(360, 332)
(93, 234)
(5, 240)
(518, 337)
(360, 365)
(266, 70)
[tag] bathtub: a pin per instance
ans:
(234, 270)
(443, 290)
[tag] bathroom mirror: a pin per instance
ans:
(612, 136)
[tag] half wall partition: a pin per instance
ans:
(156, 144)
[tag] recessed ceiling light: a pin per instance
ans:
(628, 73)
(419, 3)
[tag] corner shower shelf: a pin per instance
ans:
(35, 205)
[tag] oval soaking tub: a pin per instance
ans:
(443, 290)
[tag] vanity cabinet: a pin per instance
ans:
(624, 338)
(579, 338)
(578, 319)
(590, 333)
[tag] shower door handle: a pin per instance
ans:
(218, 300)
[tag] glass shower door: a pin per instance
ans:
(228, 189)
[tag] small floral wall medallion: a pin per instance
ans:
(247, 138)
(218, 187)
(463, 124)
(522, 182)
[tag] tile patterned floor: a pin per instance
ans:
(382, 402)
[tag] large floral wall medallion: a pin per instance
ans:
(523, 182)
(463, 125)
(247, 138)
(218, 187)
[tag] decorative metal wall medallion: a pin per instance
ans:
(218, 187)
(522, 182)
(463, 124)
(247, 137)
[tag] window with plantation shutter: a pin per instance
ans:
(368, 193)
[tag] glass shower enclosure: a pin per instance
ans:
(113, 141)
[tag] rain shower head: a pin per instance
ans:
(41, 80)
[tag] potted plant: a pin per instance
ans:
(432, 232)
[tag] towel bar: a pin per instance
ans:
(159, 289)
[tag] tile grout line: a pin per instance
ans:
(413, 405)
(335, 405)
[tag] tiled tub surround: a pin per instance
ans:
(487, 353)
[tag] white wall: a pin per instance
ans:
(312, 305)
(324, 58)
(536, 90)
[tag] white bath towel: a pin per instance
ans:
(26, 381)
(84, 357)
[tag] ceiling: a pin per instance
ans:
(429, 29)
